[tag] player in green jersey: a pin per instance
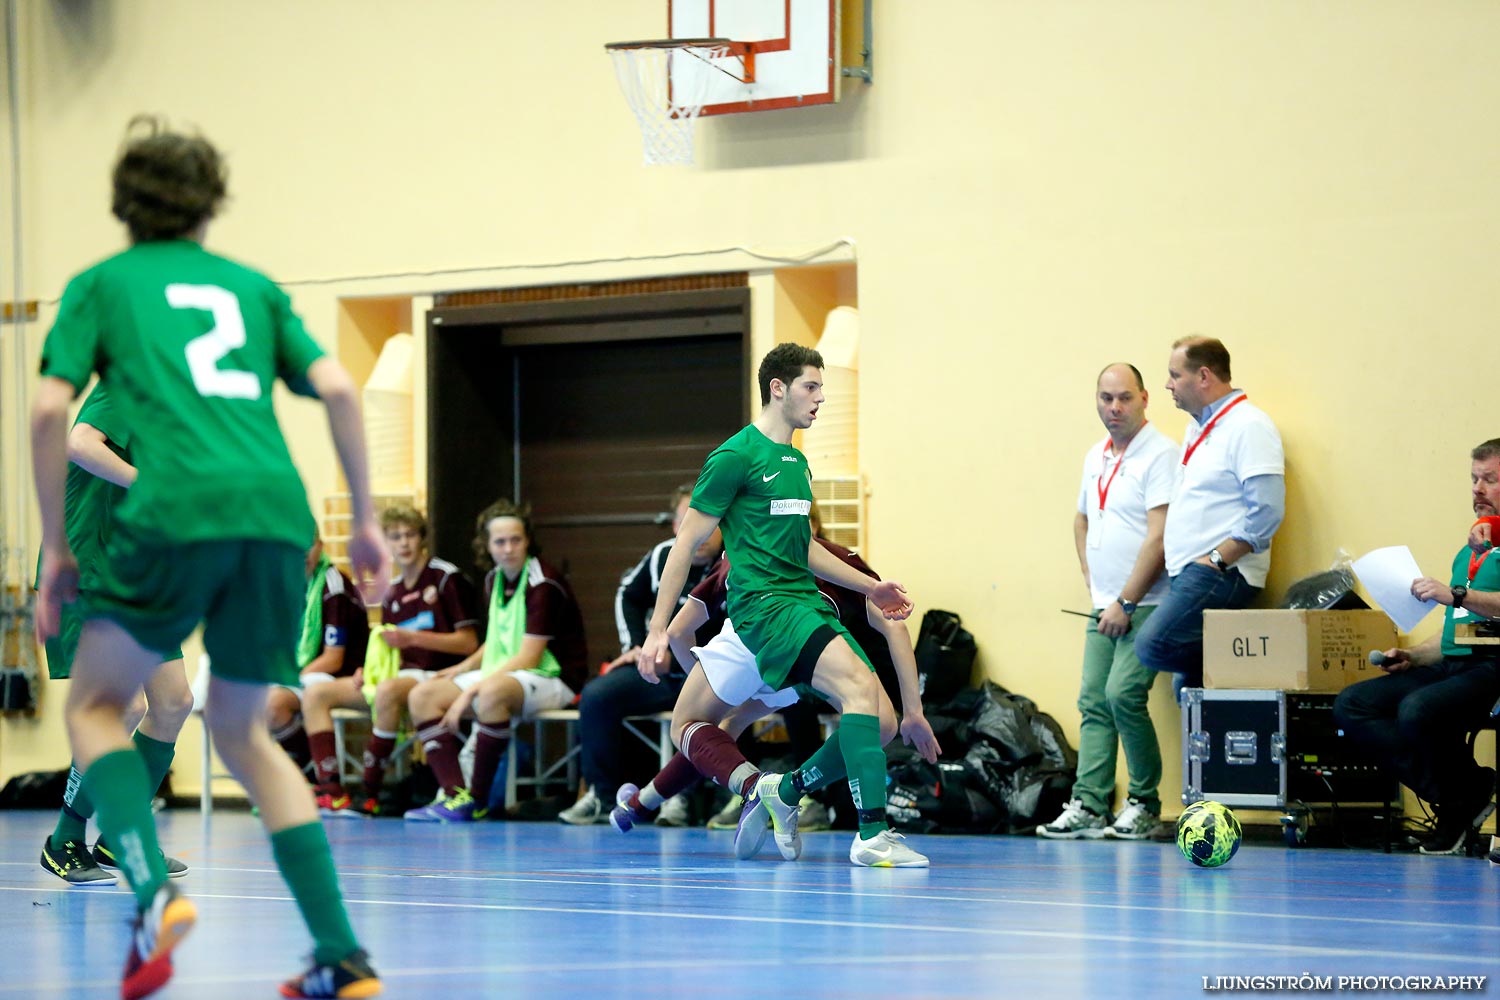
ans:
(99, 472)
(758, 488)
(213, 530)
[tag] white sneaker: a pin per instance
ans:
(887, 849)
(814, 815)
(729, 817)
(586, 811)
(674, 812)
(1077, 821)
(783, 817)
(1135, 822)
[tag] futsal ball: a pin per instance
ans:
(1208, 834)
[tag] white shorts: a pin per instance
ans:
(308, 680)
(730, 670)
(540, 694)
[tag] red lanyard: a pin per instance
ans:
(1204, 433)
(1477, 561)
(1101, 483)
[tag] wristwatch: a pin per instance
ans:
(1126, 606)
(1218, 561)
(1459, 594)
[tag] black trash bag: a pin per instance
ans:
(1005, 721)
(35, 790)
(1331, 590)
(1035, 794)
(945, 654)
(1056, 750)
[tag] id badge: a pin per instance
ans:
(1096, 529)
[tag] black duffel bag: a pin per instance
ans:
(945, 656)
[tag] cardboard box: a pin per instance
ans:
(1292, 650)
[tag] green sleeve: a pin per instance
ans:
(295, 348)
(99, 412)
(719, 482)
(72, 346)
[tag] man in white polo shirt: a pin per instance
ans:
(1128, 480)
(1230, 499)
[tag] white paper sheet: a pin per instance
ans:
(1387, 574)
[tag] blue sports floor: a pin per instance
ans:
(544, 910)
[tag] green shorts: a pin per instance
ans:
(248, 594)
(776, 627)
(61, 647)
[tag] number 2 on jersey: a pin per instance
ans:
(206, 350)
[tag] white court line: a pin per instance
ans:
(1029, 958)
(985, 899)
(1193, 946)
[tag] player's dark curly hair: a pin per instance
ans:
(784, 362)
(165, 184)
(501, 508)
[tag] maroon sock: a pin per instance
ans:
(442, 749)
(488, 749)
(377, 752)
(296, 744)
(713, 753)
(325, 757)
(677, 777)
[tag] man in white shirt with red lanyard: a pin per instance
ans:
(1230, 499)
(1128, 479)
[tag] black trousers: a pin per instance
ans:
(1416, 722)
(606, 702)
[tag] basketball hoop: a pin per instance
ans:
(666, 99)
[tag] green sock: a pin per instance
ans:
(118, 785)
(158, 757)
(866, 763)
(73, 817)
(823, 768)
(307, 865)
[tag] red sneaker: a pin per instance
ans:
(158, 929)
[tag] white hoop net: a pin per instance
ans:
(666, 87)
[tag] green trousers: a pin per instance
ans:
(1113, 703)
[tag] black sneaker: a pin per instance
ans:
(1451, 833)
(72, 864)
(107, 859)
(352, 977)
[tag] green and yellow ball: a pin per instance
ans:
(1208, 834)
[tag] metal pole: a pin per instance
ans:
(866, 71)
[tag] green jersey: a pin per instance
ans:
(762, 493)
(188, 345)
(1487, 577)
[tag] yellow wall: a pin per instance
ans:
(1035, 189)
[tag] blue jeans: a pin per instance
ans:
(1171, 640)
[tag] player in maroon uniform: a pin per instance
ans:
(533, 659)
(432, 606)
(335, 631)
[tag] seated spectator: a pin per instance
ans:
(609, 698)
(431, 606)
(1415, 719)
(533, 659)
(335, 631)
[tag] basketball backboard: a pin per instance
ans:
(793, 57)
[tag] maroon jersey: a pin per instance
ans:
(346, 625)
(442, 600)
(552, 613)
